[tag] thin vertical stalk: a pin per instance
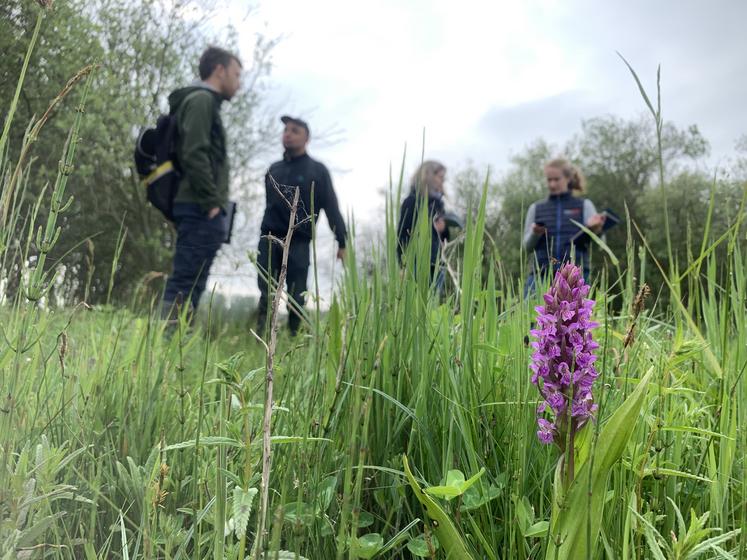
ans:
(269, 380)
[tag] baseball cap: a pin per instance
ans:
(299, 122)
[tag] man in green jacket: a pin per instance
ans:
(201, 202)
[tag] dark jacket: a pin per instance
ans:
(201, 147)
(557, 213)
(408, 215)
(301, 172)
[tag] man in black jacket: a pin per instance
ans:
(296, 169)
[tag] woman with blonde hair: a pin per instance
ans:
(549, 227)
(426, 187)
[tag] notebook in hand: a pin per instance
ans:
(453, 220)
(230, 215)
(581, 239)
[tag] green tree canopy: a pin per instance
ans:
(145, 49)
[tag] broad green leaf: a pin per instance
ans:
(539, 529)
(368, 545)
(451, 487)
(524, 514)
(454, 477)
(455, 485)
(583, 442)
(419, 547)
(300, 512)
(365, 519)
(242, 508)
(570, 513)
(442, 524)
(325, 492)
(473, 498)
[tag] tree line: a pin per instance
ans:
(619, 158)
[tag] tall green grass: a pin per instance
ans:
(390, 372)
(121, 442)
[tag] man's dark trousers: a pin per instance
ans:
(270, 258)
(197, 242)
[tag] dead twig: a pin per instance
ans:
(271, 348)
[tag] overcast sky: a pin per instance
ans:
(485, 78)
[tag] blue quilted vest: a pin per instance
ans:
(556, 212)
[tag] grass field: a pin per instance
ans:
(120, 442)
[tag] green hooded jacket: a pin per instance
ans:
(201, 147)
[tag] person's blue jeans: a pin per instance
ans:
(269, 259)
(530, 285)
(198, 239)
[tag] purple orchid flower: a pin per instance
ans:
(563, 357)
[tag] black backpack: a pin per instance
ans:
(155, 161)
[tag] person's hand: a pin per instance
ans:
(341, 253)
(538, 229)
(213, 212)
(596, 222)
(439, 224)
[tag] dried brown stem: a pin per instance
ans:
(271, 348)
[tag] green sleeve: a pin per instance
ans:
(195, 126)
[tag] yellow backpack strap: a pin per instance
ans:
(158, 172)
